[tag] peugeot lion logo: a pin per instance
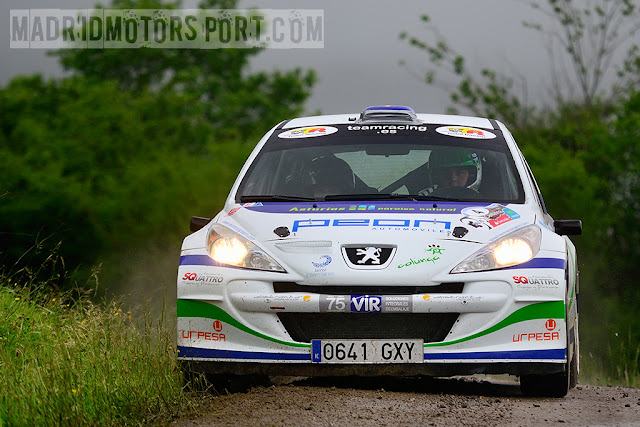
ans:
(368, 256)
(370, 253)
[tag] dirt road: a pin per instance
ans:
(478, 401)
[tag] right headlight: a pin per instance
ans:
(228, 247)
(512, 249)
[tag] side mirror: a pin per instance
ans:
(197, 222)
(568, 227)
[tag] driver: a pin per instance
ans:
(331, 175)
(453, 167)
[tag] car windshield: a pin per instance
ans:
(424, 166)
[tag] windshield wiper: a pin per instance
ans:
(392, 196)
(427, 198)
(368, 196)
(275, 198)
(349, 197)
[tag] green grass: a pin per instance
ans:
(616, 364)
(67, 361)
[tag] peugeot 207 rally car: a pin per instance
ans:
(383, 243)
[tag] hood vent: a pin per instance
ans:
(304, 246)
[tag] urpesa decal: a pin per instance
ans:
(202, 335)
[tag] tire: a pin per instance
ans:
(554, 385)
(220, 383)
(229, 383)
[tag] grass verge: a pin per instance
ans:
(67, 361)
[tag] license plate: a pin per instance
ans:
(367, 351)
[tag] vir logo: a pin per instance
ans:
(370, 253)
(366, 303)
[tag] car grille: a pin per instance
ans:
(431, 327)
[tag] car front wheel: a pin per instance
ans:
(553, 385)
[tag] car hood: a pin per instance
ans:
(414, 241)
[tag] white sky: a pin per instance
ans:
(359, 63)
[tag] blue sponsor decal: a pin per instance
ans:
(392, 207)
(511, 213)
(203, 260)
(326, 260)
(362, 208)
(231, 354)
(366, 303)
(197, 260)
(316, 356)
(540, 263)
(558, 354)
(376, 224)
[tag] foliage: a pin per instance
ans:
(129, 146)
(100, 168)
(235, 102)
(67, 361)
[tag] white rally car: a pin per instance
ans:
(383, 243)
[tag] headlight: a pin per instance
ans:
(228, 247)
(515, 248)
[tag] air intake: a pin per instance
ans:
(388, 114)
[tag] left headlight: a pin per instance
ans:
(512, 249)
(228, 247)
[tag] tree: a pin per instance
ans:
(583, 45)
(234, 101)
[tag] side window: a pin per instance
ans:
(535, 185)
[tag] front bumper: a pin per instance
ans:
(253, 323)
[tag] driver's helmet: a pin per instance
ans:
(448, 157)
(332, 173)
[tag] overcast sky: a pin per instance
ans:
(358, 65)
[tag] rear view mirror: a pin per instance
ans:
(388, 150)
(568, 227)
(197, 222)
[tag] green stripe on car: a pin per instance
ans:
(543, 310)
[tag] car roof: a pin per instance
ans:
(441, 119)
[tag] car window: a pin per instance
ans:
(380, 171)
(441, 167)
